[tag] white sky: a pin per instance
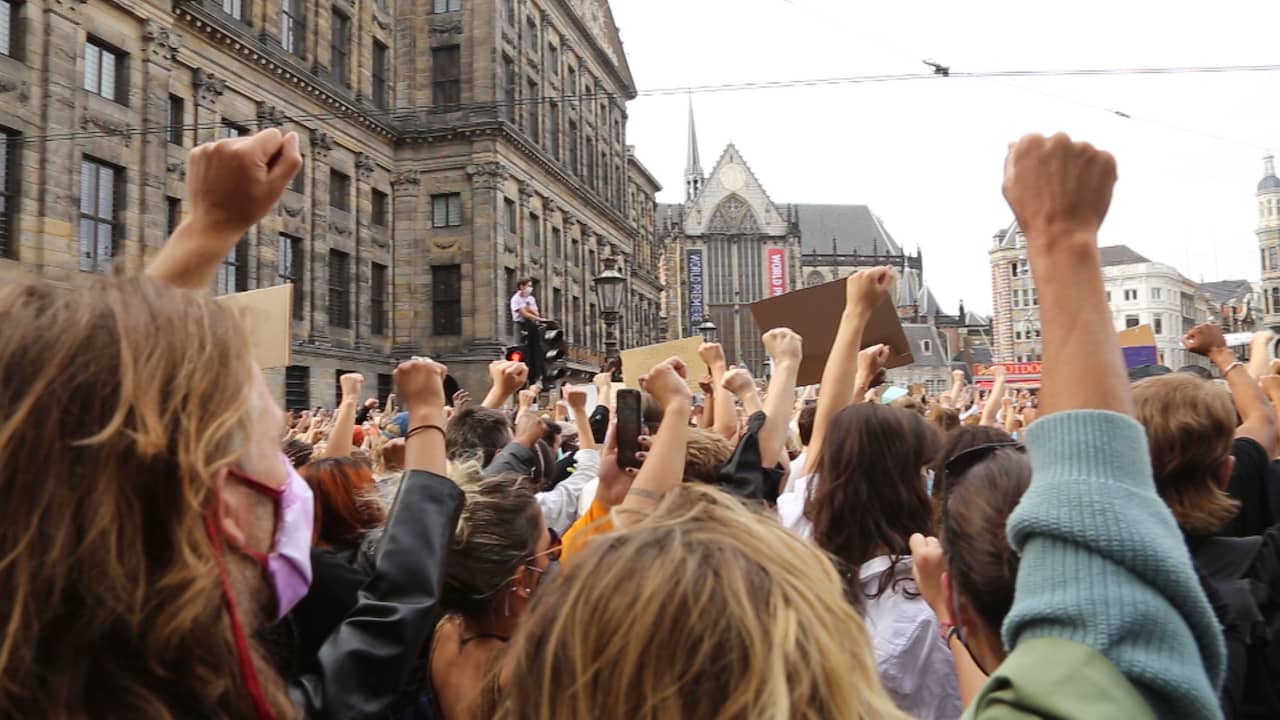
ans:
(927, 155)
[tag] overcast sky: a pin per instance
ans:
(926, 156)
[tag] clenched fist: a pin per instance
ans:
(1059, 190)
(421, 384)
(784, 345)
(508, 376)
(739, 381)
(666, 383)
(712, 354)
(351, 384)
(866, 289)
(234, 182)
(575, 397)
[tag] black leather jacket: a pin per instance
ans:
(365, 664)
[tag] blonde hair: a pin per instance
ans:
(701, 609)
(1190, 424)
(705, 453)
(121, 402)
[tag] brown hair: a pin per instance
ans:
(705, 455)
(945, 419)
(1190, 423)
(804, 423)
(346, 500)
(869, 495)
(122, 400)
(662, 621)
(979, 500)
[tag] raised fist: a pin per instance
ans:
(421, 384)
(739, 381)
(784, 345)
(866, 289)
(1058, 189)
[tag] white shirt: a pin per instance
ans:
(560, 503)
(791, 506)
(797, 470)
(915, 663)
(519, 302)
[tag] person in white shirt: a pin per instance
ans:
(524, 312)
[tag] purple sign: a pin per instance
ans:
(1139, 356)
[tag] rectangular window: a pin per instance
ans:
(233, 273)
(553, 129)
(339, 289)
(8, 28)
(378, 299)
(339, 191)
(340, 46)
(174, 129)
(509, 12)
(101, 202)
(531, 34)
(172, 214)
(379, 205)
(557, 243)
(534, 230)
(289, 267)
(230, 129)
(234, 8)
(379, 75)
(1155, 293)
(571, 86)
(553, 60)
(10, 182)
(573, 147)
(508, 82)
(104, 71)
(386, 386)
(291, 32)
(1130, 295)
(444, 6)
(533, 106)
(297, 387)
(589, 173)
(509, 214)
(446, 210)
(446, 299)
(1131, 321)
(1275, 300)
(446, 76)
(1157, 325)
(1273, 258)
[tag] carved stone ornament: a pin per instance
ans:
(487, 176)
(269, 116)
(178, 168)
(342, 230)
(23, 89)
(321, 144)
(383, 25)
(71, 6)
(209, 87)
(444, 242)
(526, 194)
(406, 183)
(442, 28)
(292, 211)
(570, 219)
(379, 239)
(365, 166)
(162, 42)
(549, 206)
(109, 128)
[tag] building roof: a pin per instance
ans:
(1227, 291)
(1120, 255)
(1269, 180)
(916, 335)
(854, 228)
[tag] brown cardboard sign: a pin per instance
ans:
(266, 316)
(638, 361)
(815, 313)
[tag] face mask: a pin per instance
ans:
(526, 292)
(289, 562)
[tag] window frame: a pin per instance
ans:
(446, 77)
(175, 129)
(379, 208)
(119, 59)
(339, 289)
(340, 46)
(440, 7)
(10, 190)
(378, 286)
(297, 387)
(11, 41)
(339, 178)
(451, 202)
(446, 310)
(381, 91)
(233, 273)
(292, 28)
(94, 262)
(234, 9)
(288, 271)
(172, 214)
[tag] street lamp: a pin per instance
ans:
(609, 289)
(708, 330)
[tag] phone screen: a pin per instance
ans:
(628, 408)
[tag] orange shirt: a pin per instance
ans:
(595, 522)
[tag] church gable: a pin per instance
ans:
(733, 201)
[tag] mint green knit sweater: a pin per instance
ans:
(1104, 564)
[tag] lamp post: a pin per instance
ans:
(708, 330)
(609, 287)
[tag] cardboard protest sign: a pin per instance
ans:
(638, 361)
(815, 313)
(1139, 346)
(266, 316)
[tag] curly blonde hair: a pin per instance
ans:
(701, 609)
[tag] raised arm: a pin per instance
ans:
(708, 418)
(871, 362)
(664, 466)
(786, 348)
(993, 397)
(231, 184)
(344, 421)
(506, 378)
(1257, 416)
(863, 292)
(725, 419)
(1103, 565)
(576, 398)
(1260, 354)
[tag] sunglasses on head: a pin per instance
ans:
(962, 461)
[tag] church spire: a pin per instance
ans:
(693, 177)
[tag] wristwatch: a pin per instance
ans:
(947, 630)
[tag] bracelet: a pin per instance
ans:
(420, 428)
(1232, 366)
(646, 494)
(947, 630)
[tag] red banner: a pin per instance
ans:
(776, 269)
(1026, 374)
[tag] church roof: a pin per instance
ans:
(854, 227)
(916, 334)
(1120, 255)
(909, 289)
(1270, 182)
(1226, 291)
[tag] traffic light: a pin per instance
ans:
(557, 352)
(515, 353)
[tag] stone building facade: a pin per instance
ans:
(1268, 195)
(450, 148)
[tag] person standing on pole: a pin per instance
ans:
(524, 311)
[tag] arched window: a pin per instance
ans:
(814, 278)
(733, 215)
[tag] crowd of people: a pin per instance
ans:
(177, 546)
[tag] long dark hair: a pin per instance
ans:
(869, 496)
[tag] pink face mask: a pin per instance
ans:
(288, 564)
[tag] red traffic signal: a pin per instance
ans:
(515, 354)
